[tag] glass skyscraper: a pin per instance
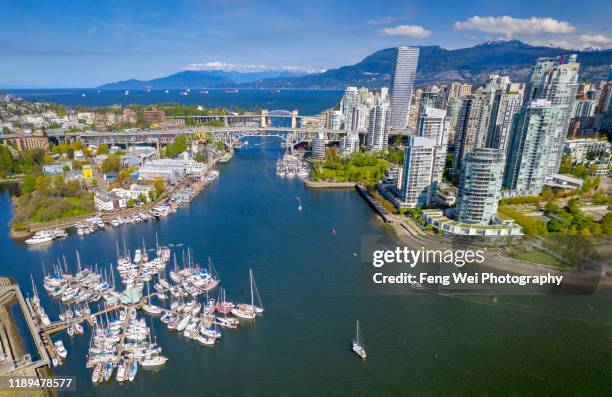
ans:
(402, 86)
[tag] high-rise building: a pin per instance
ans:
(402, 86)
(479, 186)
(422, 171)
(361, 113)
(318, 146)
(433, 124)
(350, 143)
(504, 108)
(530, 147)
(584, 108)
(337, 120)
(377, 132)
(453, 107)
(350, 99)
(497, 82)
(472, 125)
(555, 80)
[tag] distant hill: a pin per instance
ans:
(436, 65)
(199, 79)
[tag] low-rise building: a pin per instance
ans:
(564, 182)
(54, 169)
(108, 201)
(87, 171)
(25, 141)
(581, 150)
(444, 225)
(134, 192)
(169, 169)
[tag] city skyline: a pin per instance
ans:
(100, 42)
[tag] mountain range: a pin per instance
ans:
(436, 65)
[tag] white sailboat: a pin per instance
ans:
(249, 311)
(358, 346)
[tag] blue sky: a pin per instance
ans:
(86, 43)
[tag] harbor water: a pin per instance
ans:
(308, 278)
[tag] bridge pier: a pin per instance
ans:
(263, 123)
(294, 117)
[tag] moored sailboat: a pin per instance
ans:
(249, 311)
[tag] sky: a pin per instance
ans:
(87, 43)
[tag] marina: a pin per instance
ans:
(291, 165)
(120, 340)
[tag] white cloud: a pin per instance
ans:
(231, 67)
(414, 31)
(510, 26)
(596, 39)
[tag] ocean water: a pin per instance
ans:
(307, 102)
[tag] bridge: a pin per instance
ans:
(264, 119)
(228, 134)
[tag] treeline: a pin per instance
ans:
(530, 225)
(571, 221)
(177, 147)
(25, 162)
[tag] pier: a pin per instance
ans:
(14, 360)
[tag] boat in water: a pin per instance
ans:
(358, 346)
(133, 369)
(153, 361)
(60, 349)
(108, 371)
(96, 376)
(121, 370)
(39, 238)
(249, 311)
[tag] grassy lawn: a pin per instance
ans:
(60, 208)
(539, 257)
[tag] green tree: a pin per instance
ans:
(159, 185)
(130, 203)
(102, 149)
(111, 163)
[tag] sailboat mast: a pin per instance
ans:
(251, 280)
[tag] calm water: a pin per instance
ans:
(308, 102)
(309, 283)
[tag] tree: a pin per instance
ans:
(94, 182)
(142, 198)
(152, 195)
(112, 163)
(130, 203)
(606, 223)
(159, 186)
(102, 149)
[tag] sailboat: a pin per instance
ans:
(358, 346)
(249, 311)
(299, 203)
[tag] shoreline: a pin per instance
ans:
(500, 262)
(328, 185)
